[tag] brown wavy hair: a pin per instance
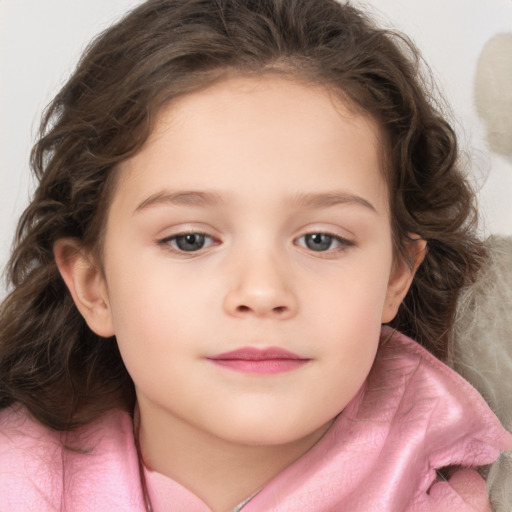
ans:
(50, 361)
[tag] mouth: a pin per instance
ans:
(267, 361)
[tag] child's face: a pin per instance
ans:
(256, 216)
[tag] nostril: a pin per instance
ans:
(278, 309)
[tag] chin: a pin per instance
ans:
(270, 432)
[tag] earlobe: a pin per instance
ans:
(86, 285)
(402, 276)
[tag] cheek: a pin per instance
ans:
(353, 296)
(157, 313)
(349, 312)
(154, 333)
(141, 288)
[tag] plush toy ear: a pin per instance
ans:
(86, 284)
(402, 275)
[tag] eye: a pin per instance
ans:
(321, 242)
(188, 242)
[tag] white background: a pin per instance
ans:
(41, 40)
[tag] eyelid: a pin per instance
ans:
(344, 242)
(166, 241)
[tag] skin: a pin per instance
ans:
(269, 161)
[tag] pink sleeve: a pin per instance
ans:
(465, 491)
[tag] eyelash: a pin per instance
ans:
(172, 242)
(343, 243)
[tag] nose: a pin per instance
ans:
(261, 287)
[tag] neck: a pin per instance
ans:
(220, 473)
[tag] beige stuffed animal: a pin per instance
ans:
(483, 351)
(483, 327)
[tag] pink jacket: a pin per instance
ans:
(412, 416)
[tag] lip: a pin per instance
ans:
(268, 361)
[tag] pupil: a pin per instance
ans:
(191, 242)
(318, 241)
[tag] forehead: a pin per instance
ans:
(243, 133)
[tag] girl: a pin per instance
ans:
(240, 205)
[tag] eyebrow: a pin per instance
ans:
(328, 199)
(181, 198)
(211, 198)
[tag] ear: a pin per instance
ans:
(86, 284)
(402, 275)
